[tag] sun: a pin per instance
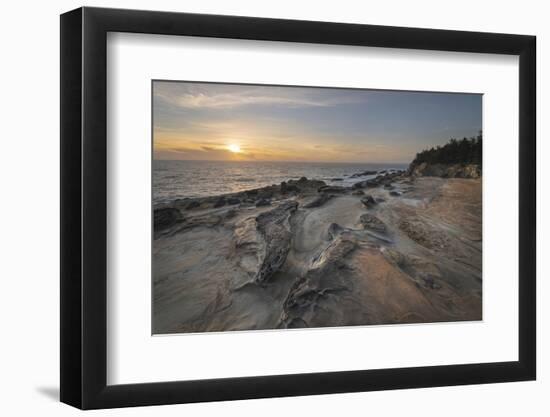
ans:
(234, 148)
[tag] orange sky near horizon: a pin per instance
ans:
(259, 146)
(230, 122)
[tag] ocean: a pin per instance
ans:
(180, 179)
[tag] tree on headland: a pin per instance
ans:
(464, 151)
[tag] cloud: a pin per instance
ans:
(201, 153)
(225, 101)
(214, 96)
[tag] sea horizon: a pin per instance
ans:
(283, 161)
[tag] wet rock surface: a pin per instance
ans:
(166, 217)
(262, 202)
(373, 223)
(368, 201)
(319, 201)
(332, 189)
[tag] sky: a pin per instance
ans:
(209, 121)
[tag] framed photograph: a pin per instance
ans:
(257, 208)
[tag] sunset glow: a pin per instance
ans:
(234, 148)
(200, 121)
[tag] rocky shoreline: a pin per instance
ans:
(445, 170)
(397, 248)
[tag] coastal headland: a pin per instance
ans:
(400, 247)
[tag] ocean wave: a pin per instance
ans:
(180, 179)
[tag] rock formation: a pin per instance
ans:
(304, 254)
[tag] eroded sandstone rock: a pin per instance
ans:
(274, 227)
(373, 223)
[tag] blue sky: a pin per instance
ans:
(194, 121)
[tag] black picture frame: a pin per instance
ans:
(84, 207)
